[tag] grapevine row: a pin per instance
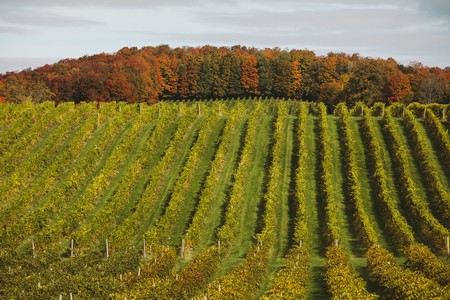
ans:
(133, 223)
(103, 220)
(442, 137)
(227, 233)
(421, 259)
(419, 214)
(393, 219)
(13, 131)
(31, 140)
(246, 278)
(210, 188)
(342, 280)
(191, 279)
(161, 231)
(39, 160)
(441, 199)
(59, 197)
(44, 181)
(97, 185)
(326, 191)
(291, 282)
(401, 283)
(365, 231)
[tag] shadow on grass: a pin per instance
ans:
(292, 199)
(319, 286)
(349, 208)
(377, 209)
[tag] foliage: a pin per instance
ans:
(395, 279)
(418, 212)
(151, 74)
(342, 280)
(89, 172)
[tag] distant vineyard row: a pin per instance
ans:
(228, 199)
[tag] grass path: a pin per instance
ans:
(213, 219)
(254, 192)
(349, 238)
(285, 224)
(388, 166)
(139, 185)
(414, 166)
(175, 169)
(195, 185)
(442, 169)
(317, 286)
(368, 193)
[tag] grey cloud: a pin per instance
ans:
(46, 19)
(41, 17)
(439, 8)
(11, 29)
(192, 3)
(109, 3)
(344, 20)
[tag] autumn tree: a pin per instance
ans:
(368, 81)
(399, 88)
(310, 66)
(286, 76)
(169, 73)
(188, 76)
(20, 88)
(250, 77)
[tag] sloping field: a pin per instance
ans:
(232, 199)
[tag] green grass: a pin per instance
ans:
(212, 220)
(389, 168)
(254, 192)
(367, 191)
(317, 287)
(140, 183)
(284, 226)
(438, 162)
(195, 185)
(253, 207)
(114, 184)
(175, 170)
(349, 239)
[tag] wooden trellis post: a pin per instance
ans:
(182, 248)
(33, 249)
(145, 251)
(448, 245)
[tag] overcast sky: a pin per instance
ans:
(35, 32)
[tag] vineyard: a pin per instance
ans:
(232, 199)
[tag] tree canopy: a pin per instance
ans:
(151, 74)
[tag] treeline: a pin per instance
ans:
(151, 74)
